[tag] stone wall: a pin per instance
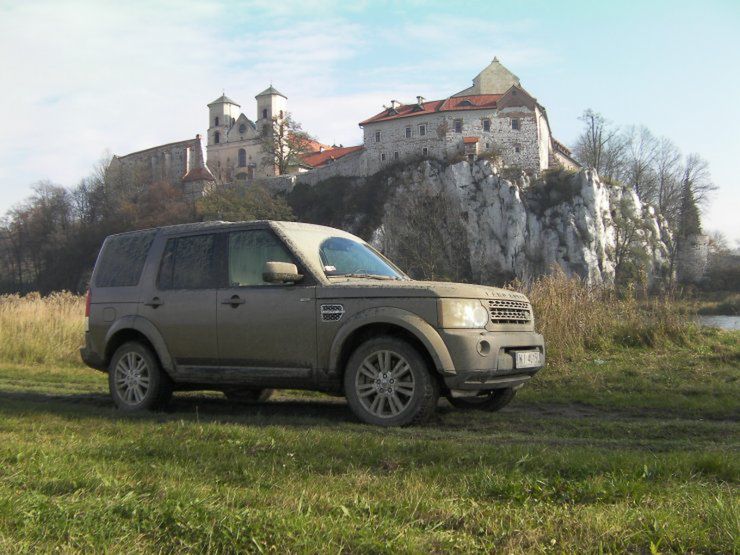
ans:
(517, 147)
(691, 259)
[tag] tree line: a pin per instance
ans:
(678, 186)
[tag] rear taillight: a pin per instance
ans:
(87, 304)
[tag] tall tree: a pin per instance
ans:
(600, 145)
(284, 142)
(640, 153)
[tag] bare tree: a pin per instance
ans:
(600, 145)
(667, 168)
(284, 142)
(697, 177)
(640, 154)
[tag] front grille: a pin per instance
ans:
(510, 312)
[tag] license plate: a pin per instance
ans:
(528, 359)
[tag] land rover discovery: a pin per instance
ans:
(246, 307)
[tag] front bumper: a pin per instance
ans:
(486, 360)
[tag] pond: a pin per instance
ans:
(723, 322)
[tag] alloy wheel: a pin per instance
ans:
(385, 384)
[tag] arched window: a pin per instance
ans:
(217, 137)
(264, 113)
(216, 122)
(242, 158)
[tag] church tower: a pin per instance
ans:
(222, 114)
(270, 103)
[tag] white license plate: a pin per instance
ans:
(528, 359)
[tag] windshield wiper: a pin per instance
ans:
(366, 276)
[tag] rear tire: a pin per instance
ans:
(136, 379)
(491, 401)
(247, 395)
(387, 383)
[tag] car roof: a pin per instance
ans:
(218, 224)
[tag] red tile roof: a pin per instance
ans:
(470, 140)
(316, 146)
(469, 102)
(316, 159)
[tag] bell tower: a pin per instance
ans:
(222, 114)
(271, 103)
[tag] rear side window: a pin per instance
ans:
(189, 263)
(122, 259)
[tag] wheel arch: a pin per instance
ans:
(389, 321)
(135, 328)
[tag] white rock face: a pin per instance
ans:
(517, 229)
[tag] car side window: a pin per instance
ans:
(189, 263)
(249, 251)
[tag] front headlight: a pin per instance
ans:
(462, 313)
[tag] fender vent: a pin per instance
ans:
(331, 312)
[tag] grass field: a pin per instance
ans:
(627, 441)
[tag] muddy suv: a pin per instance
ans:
(247, 307)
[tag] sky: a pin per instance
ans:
(81, 80)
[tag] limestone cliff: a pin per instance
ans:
(475, 221)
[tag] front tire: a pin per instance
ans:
(490, 401)
(387, 383)
(136, 380)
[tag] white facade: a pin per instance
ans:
(235, 143)
(495, 117)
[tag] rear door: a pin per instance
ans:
(181, 302)
(266, 332)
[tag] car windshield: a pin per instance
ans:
(340, 254)
(344, 257)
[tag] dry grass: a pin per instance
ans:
(41, 330)
(574, 318)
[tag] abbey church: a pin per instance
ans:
(496, 117)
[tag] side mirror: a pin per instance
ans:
(281, 272)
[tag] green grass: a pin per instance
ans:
(634, 451)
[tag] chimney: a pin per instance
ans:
(419, 100)
(393, 103)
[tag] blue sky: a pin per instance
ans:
(83, 78)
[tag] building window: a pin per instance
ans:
(408, 132)
(217, 137)
(264, 113)
(281, 114)
(382, 157)
(422, 130)
(216, 122)
(425, 151)
(515, 123)
(486, 125)
(488, 145)
(242, 158)
(395, 155)
(457, 126)
(377, 136)
(517, 148)
(242, 129)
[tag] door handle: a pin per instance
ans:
(234, 301)
(154, 303)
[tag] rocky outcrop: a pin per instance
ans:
(490, 225)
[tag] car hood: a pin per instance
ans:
(365, 288)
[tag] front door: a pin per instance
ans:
(181, 303)
(266, 332)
